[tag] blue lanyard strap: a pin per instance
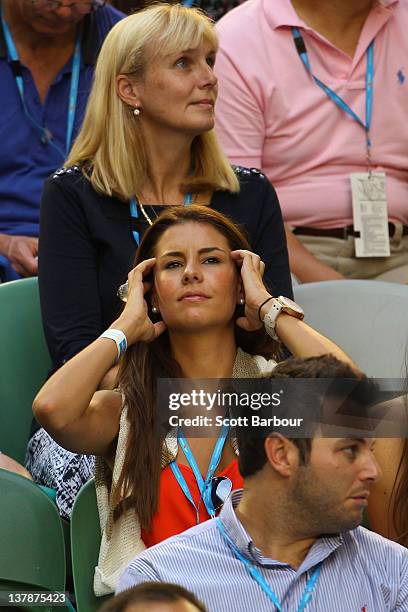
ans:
(73, 93)
(204, 486)
(46, 136)
(301, 49)
(134, 212)
(257, 576)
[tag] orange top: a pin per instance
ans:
(175, 513)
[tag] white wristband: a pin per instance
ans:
(119, 338)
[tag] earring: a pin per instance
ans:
(136, 111)
(155, 310)
(241, 301)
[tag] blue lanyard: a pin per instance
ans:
(134, 212)
(204, 486)
(257, 576)
(301, 48)
(46, 136)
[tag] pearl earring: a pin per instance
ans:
(241, 301)
(136, 112)
(155, 310)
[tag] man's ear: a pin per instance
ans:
(282, 455)
(127, 91)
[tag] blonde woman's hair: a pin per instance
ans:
(109, 147)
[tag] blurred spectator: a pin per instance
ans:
(214, 8)
(272, 114)
(217, 8)
(154, 597)
(42, 45)
(7, 463)
(128, 6)
(291, 539)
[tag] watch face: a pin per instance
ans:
(287, 303)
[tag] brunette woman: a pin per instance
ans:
(194, 268)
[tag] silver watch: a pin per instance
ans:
(278, 305)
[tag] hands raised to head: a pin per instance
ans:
(252, 269)
(134, 321)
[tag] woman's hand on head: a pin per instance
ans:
(134, 320)
(252, 269)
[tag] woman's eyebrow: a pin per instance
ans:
(200, 251)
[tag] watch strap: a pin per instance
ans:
(270, 318)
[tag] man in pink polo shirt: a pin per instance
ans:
(315, 92)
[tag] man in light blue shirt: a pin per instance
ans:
(291, 539)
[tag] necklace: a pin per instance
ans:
(134, 204)
(144, 213)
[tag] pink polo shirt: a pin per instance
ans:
(271, 115)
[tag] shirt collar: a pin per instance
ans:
(90, 43)
(280, 13)
(321, 549)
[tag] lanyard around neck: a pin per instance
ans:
(46, 136)
(339, 102)
(134, 212)
(204, 486)
(257, 576)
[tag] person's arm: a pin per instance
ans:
(137, 572)
(22, 253)
(68, 406)
(68, 259)
(7, 463)
(301, 339)
(240, 122)
(304, 265)
(270, 243)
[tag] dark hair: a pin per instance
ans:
(131, 6)
(143, 363)
(151, 592)
(399, 496)
(252, 456)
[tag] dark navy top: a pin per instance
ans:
(25, 162)
(87, 249)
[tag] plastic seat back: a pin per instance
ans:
(24, 362)
(85, 543)
(368, 319)
(31, 538)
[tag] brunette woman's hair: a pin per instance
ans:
(399, 496)
(144, 363)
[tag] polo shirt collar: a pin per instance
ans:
(90, 43)
(321, 549)
(280, 13)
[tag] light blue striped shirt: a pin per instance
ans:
(361, 570)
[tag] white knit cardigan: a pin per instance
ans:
(121, 540)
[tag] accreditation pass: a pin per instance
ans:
(370, 214)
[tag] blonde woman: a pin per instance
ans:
(147, 142)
